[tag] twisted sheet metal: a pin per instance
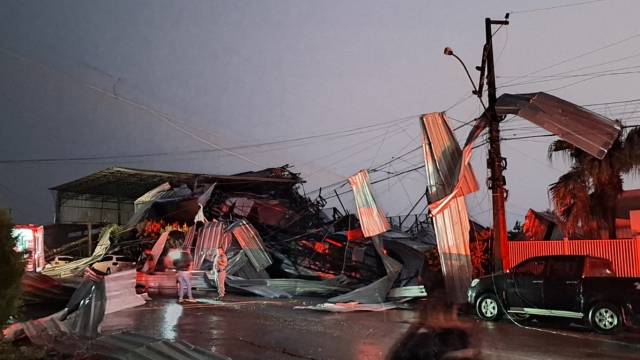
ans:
(77, 267)
(251, 242)
(449, 178)
(372, 219)
(39, 288)
(377, 291)
(145, 202)
(585, 129)
(81, 318)
(210, 237)
(283, 288)
(236, 262)
(120, 290)
(446, 165)
(156, 251)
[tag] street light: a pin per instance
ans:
(449, 52)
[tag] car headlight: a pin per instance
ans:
(474, 282)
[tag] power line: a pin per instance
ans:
(337, 134)
(579, 68)
(613, 102)
(549, 78)
(172, 123)
(577, 57)
(525, 11)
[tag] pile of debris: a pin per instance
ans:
(279, 242)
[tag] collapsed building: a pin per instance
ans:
(279, 242)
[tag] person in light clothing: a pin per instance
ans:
(220, 266)
(182, 264)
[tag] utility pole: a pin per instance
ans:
(496, 163)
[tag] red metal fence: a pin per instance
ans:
(623, 253)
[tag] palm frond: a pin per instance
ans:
(560, 147)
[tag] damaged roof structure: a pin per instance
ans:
(272, 232)
(108, 196)
(279, 243)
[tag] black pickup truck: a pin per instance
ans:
(567, 286)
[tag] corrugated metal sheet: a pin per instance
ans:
(210, 237)
(377, 291)
(585, 129)
(236, 262)
(41, 288)
(86, 308)
(251, 242)
(445, 159)
(92, 210)
(81, 317)
(151, 196)
(204, 198)
(43, 331)
(132, 346)
(156, 251)
(142, 204)
(283, 288)
(408, 292)
(77, 267)
(452, 234)
(449, 178)
(188, 240)
(623, 253)
(121, 291)
(372, 219)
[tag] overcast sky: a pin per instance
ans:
(234, 73)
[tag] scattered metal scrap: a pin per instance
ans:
(279, 243)
(132, 346)
(449, 179)
(77, 267)
(80, 319)
(354, 306)
(585, 129)
(39, 288)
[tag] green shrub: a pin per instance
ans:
(11, 269)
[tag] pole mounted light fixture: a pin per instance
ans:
(449, 52)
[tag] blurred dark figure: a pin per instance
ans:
(421, 343)
(437, 335)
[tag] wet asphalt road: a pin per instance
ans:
(258, 328)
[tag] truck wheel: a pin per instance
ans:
(488, 307)
(605, 318)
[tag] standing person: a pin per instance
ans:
(183, 265)
(220, 266)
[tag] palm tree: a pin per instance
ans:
(585, 198)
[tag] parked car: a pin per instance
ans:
(60, 260)
(566, 286)
(114, 263)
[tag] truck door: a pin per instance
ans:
(562, 283)
(525, 283)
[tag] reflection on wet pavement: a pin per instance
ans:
(249, 328)
(172, 313)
